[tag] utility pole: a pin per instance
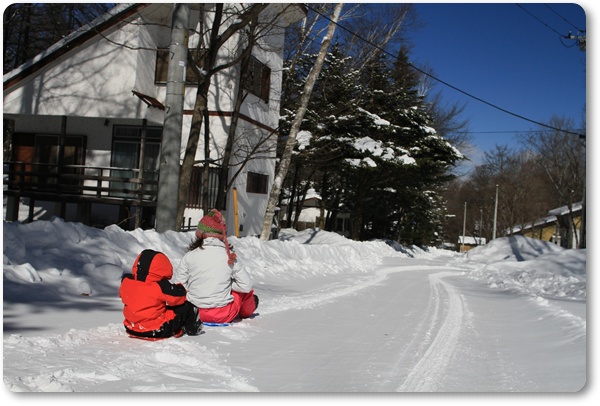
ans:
(582, 227)
(168, 185)
(581, 40)
(480, 226)
(495, 214)
(462, 249)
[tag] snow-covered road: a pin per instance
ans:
(412, 326)
(334, 316)
(423, 328)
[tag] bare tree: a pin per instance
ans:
(295, 128)
(206, 67)
(561, 154)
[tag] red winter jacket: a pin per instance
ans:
(147, 293)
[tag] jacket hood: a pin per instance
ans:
(152, 266)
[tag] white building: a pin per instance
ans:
(86, 119)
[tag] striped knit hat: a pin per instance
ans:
(213, 225)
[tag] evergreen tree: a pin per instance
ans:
(372, 150)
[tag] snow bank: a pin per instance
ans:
(531, 266)
(63, 331)
(513, 248)
(308, 253)
(55, 259)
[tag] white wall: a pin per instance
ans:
(94, 82)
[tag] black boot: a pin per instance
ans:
(193, 326)
(256, 302)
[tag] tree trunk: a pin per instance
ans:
(223, 186)
(291, 204)
(356, 221)
(208, 65)
(190, 155)
(201, 104)
(295, 128)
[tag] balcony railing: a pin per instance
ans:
(81, 183)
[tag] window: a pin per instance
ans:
(196, 191)
(127, 146)
(39, 153)
(257, 183)
(258, 81)
(162, 67)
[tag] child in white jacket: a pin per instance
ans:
(214, 280)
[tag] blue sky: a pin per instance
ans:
(510, 55)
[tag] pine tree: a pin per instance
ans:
(372, 151)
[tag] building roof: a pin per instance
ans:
(71, 41)
(471, 240)
(85, 33)
(552, 218)
(561, 211)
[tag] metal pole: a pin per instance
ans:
(168, 184)
(495, 214)
(480, 226)
(464, 229)
(582, 230)
(140, 177)
(236, 223)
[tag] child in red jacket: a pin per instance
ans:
(154, 307)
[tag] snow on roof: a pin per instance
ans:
(561, 211)
(537, 223)
(471, 240)
(553, 214)
(311, 194)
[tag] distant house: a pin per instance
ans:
(85, 119)
(466, 243)
(311, 213)
(562, 226)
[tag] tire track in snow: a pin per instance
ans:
(432, 365)
(333, 291)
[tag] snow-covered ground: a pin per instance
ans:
(334, 316)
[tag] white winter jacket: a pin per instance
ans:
(208, 277)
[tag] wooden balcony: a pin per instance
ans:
(79, 184)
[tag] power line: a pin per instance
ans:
(497, 132)
(307, 5)
(578, 39)
(564, 19)
(546, 25)
(503, 132)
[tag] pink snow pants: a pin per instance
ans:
(243, 305)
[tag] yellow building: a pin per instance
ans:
(561, 227)
(466, 243)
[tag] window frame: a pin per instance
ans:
(258, 79)
(161, 66)
(153, 141)
(257, 183)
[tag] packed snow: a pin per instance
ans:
(335, 315)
